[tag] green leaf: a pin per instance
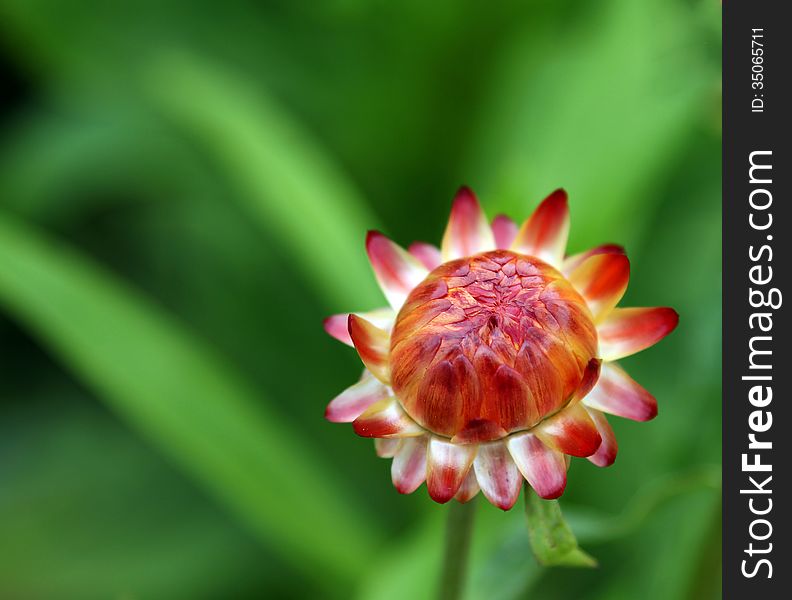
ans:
(552, 540)
(185, 399)
(284, 179)
(98, 529)
(569, 122)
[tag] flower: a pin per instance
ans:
(497, 357)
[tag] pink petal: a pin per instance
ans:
(338, 325)
(448, 466)
(606, 453)
(504, 230)
(386, 419)
(543, 468)
(570, 431)
(386, 447)
(468, 231)
(619, 394)
(397, 271)
(372, 345)
(468, 489)
(544, 234)
(408, 470)
(350, 404)
(574, 261)
(626, 331)
(498, 476)
(428, 254)
(602, 280)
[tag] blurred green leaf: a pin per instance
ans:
(67, 528)
(552, 540)
(597, 526)
(185, 399)
(92, 157)
(599, 104)
(287, 182)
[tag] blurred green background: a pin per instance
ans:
(185, 191)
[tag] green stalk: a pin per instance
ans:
(459, 530)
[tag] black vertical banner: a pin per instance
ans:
(757, 256)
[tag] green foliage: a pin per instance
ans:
(552, 540)
(186, 190)
(184, 398)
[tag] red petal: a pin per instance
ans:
(468, 231)
(505, 399)
(428, 254)
(386, 419)
(373, 346)
(439, 399)
(619, 394)
(397, 271)
(590, 378)
(448, 466)
(479, 430)
(602, 280)
(512, 394)
(549, 370)
(543, 468)
(350, 404)
(504, 230)
(626, 331)
(544, 234)
(570, 431)
(408, 470)
(574, 261)
(606, 453)
(498, 476)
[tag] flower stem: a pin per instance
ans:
(459, 529)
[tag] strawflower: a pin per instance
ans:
(496, 359)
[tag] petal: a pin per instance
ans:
(397, 271)
(543, 468)
(504, 394)
(544, 234)
(353, 401)
(468, 231)
(602, 280)
(619, 394)
(570, 431)
(428, 254)
(338, 325)
(504, 230)
(386, 447)
(626, 331)
(606, 453)
(372, 345)
(408, 470)
(386, 419)
(479, 430)
(549, 369)
(574, 261)
(448, 466)
(589, 380)
(498, 476)
(439, 403)
(468, 489)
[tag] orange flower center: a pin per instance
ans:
(489, 345)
